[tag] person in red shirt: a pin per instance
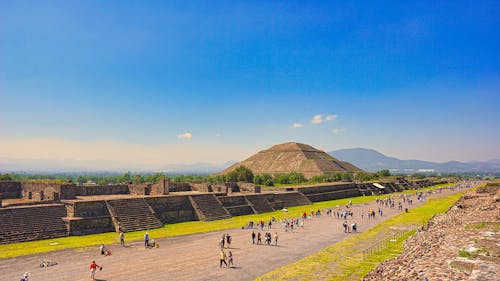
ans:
(93, 267)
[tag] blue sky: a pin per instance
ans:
(125, 80)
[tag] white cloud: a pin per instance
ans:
(331, 118)
(338, 131)
(317, 119)
(297, 125)
(320, 118)
(184, 136)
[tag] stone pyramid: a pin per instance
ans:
(294, 157)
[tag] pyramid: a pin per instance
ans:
(294, 157)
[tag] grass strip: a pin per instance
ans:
(344, 260)
(183, 228)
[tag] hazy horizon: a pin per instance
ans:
(152, 84)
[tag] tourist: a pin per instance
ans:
(345, 226)
(222, 241)
(354, 227)
(269, 225)
(230, 259)
(25, 276)
(276, 239)
(228, 240)
(259, 238)
(362, 214)
(222, 258)
(93, 268)
(146, 240)
(253, 237)
(102, 249)
(122, 238)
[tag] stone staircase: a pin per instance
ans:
(404, 184)
(208, 208)
(132, 214)
(291, 199)
(28, 223)
(259, 203)
(364, 190)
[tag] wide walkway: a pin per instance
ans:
(195, 257)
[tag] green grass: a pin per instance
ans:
(465, 254)
(344, 260)
(183, 228)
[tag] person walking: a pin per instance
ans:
(276, 239)
(93, 267)
(25, 276)
(230, 259)
(102, 249)
(222, 241)
(146, 240)
(122, 238)
(253, 237)
(222, 258)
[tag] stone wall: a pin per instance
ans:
(85, 226)
(140, 189)
(333, 195)
(161, 188)
(202, 187)
(86, 209)
(102, 190)
(172, 208)
(11, 189)
(41, 191)
(240, 210)
(176, 187)
(88, 217)
(325, 188)
(228, 201)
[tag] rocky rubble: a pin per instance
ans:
(462, 244)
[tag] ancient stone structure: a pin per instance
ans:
(34, 211)
(294, 157)
(462, 244)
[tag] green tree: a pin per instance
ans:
(126, 177)
(5, 177)
(383, 173)
(241, 173)
(138, 179)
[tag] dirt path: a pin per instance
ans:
(195, 257)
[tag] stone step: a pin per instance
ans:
(29, 223)
(208, 207)
(132, 214)
(260, 203)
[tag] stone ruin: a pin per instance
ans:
(33, 211)
(461, 244)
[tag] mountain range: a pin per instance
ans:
(48, 166)
(366, 159)
(372, 160)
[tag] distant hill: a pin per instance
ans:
(372, 160)
(293, 157)
(47, 166)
